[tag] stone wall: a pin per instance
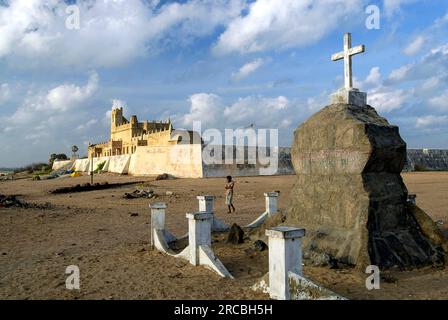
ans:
(426, 159)
(417, 159)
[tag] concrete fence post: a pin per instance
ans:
(285, 255)
(271, 202)
(206, 203)
(199, 233)
(157, 218)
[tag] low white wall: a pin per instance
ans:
(97, 161)
(81, 165)
(119, 164)
(183, 161)
(58, 164)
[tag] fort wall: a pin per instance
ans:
(183, 161)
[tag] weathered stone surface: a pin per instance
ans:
(350, 96)
(349, 194)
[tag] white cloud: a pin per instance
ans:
(69, 96)
(50, 120)
(107, 116)
(415, 46)
(248, 69)
(386, 99)
(374, 76)
(432, 64)
(87, 125)
(205, 107)
(440, 102)
(264, 112)
(61, 100)
(5, 92)
(117, 103)
(372, 79)
(400, 73)
(431, 121)
(440, 22)
(111, 32)
(382, 98)
(272, 24)
(316, 103)
(431, 83)
(257, 111)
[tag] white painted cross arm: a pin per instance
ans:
(351, 52)
(347, 56)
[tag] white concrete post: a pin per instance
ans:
(285, 254)
(199, 233)
(271, 202)
(206, 203)
(157, 218)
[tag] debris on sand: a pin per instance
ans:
(46, 177)
(165, 176)
(140, 194)
(388, 278)
(14, 202)
(317, 259)
(5, 177)
(236, 235)
(260, 245)
(91, 187)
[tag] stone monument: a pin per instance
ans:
(349, 194)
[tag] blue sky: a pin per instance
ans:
(228, 63)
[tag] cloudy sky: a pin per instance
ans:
(228, 63)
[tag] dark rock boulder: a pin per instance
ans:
(349, 194)
(236, 235)
(260, 245)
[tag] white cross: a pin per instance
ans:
(347, 56)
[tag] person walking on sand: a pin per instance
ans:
(229, 193)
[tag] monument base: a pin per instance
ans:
(349, 194)
(349, 96)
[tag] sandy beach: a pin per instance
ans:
(107, 236)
